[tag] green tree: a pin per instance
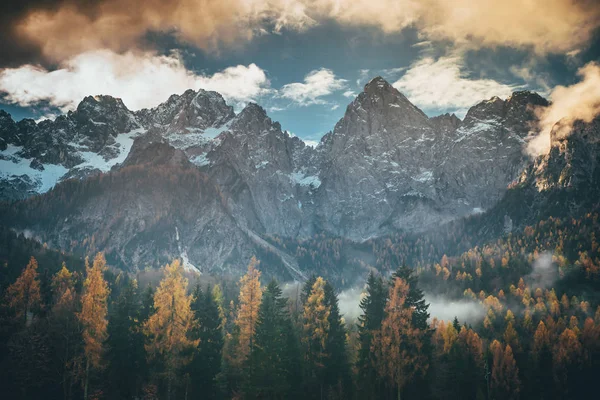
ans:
(372, 306)
(206, 364)
(126, 343)
(337, 368)
(276, 359)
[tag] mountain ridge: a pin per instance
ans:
(386, 167)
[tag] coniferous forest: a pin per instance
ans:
(91, 331)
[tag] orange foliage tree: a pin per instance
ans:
(247, 315)
(93, 315)
(316, 329)
(397, 346)
(24, 295)
(168, 329)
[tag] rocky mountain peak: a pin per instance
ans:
(446, 123)
(100, 103)
(378, 84)
(254, 119)
(188, 113)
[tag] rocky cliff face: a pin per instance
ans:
(485, 153)
(385, 167)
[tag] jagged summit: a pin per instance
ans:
(386, 166)
(377, 83)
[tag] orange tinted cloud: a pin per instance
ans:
(580, 101)
(544, 25)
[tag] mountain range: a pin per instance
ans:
(193, 179)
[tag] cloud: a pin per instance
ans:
(311, 143)
(580, 101)
(441, 84)
(126, 76)
(445, 309)
(544, 272)
(317, 84)
(350, 94)
(63, 28)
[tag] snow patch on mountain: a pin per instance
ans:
(303, 179)
(44, 176)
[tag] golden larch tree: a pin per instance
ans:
(24, 296)
(505, 383)
(168, 329)
(315, 330)
(397, 346)
(247, 314)
(93, 315)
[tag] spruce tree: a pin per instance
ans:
(125, 343)
(206, 363)
(415, 297)
(372, 306)
(275, 351)
(337, 369)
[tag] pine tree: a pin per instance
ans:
(275, 361)
(169, 327)
(126, 343)
(307, 289)
(337, 372)
(247, 314)
(397, 346)
(415, 298)
(206, 363)
(64, 332)
(93, 316)
(372, 306)
(24, 296)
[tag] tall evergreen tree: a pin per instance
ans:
(415, 298)
(206, 364)
(372, 306)
(275, 362)
(126, 343)
(64, 330)
(337, 369)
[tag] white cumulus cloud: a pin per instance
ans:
(142, 80)
(317, 84)
(442, 84)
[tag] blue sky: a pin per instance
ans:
(304, 67)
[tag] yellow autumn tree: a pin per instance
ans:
(167, 330)
(505, 383)
(567, 354)
(247, 314)
(315, 330)
(23, 296)
(397, 346)
(93, 315)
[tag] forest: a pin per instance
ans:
(71, 329)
